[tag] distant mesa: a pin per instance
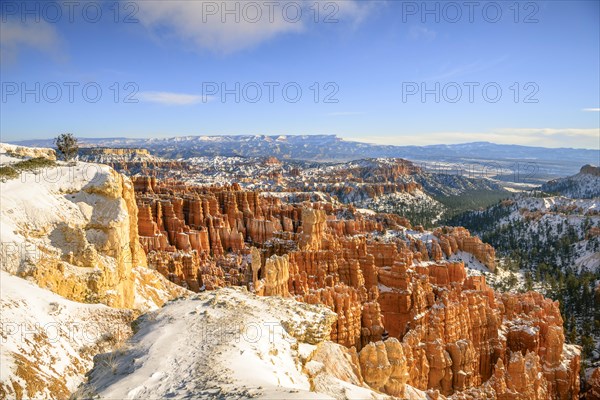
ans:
(584, 185)
(590, 170)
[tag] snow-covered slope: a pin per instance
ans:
(554, 229)
(421, 207)
(73, 229)
(72, 222)
(584, 185)
(48, 342)
(548, 219)
(229, 344)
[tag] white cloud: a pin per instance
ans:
(172, 99)
(15, 36)
(543, 137)
(206, 24)
(549, 132)
(592, 109)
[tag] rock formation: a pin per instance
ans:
(593, 392)
(384, 366)
(448, 333)
(277, 273)
(69, 238)
(22, 151)
(452, 239)
(81, 238)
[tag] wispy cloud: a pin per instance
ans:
(591, 109)
(207, 25)
(172, 99)
(16, 36)
(544, 137)
(547, 132)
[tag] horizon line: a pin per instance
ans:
(353, 140)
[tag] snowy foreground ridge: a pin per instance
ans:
(51, 338)
(226, 343)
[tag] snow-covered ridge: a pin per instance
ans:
(10, 150)
(71, 221)
(584, 185)
(227, 343)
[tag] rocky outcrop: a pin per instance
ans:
(593, 392)
(453, 239)
(590, 170)
(313, 227)
(72, 234)
(82, 234)
(277, 273)
(75, 234)
(31, 152)
(384, 366)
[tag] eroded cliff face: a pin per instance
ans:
(74, 275)
(453, 239)
(73, 229)
(456, 334)
(459, 337)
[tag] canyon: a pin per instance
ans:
(383, 278)
(368, 304)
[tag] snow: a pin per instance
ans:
(581, 185)
(366, 211)
(524, 326)
(424, 236)
(384, 289)
(544, 216)
(7, 160)
(226, 342)
(473, 265)
(34, 204)
(52, 335)
(589, 261)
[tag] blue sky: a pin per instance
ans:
(362, 71)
